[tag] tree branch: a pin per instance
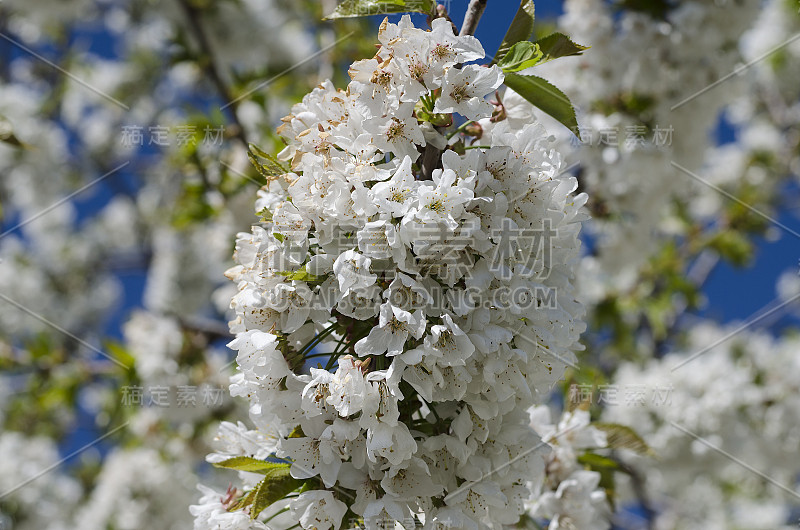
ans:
(212, 329)
(327, 38)
(209, 65)
(474, 12)
(431, 157)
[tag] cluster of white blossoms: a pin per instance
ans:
(129, 495)
(570, 496)
(654, 101)
(727, 434)
(44, 504)
(68, 259)
(445, 305)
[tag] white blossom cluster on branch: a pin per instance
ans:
(80, 235)
(432, 315)
(655, 100)
(726, 437)
(570, 496)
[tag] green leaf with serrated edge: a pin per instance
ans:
(260, 168)
(252, 465)
(270, 167)
(365, 8)
(522, 55)
(596, 462)
(270, 160)
(558, 45)
(544, 96)
(273, 488)
(274, 166)
(623, 437)
(520, 29)
(256, 150)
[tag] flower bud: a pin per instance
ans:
(474, 129)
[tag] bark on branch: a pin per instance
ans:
(209, 64)
(431, 156)
(474, 12)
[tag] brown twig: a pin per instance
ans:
(473, 16)
(431, 156)
(209, 65)
(212, 329)
(327, 38)
(430, 160)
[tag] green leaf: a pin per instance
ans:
(120, 353)
(623, 437)
(245, 501)
(734, 246)
(597, 462)
(520, 29)
(273, 488)
(253, 465)
(192, 206)
(268, 169)
(545, 96)
(276, 485)
(522, 55)
(256, 150)
(266, 215)
(558, 45)
(365, 8)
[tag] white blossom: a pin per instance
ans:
(401, 279)
(318, 510)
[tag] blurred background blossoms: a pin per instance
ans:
(124, 179)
